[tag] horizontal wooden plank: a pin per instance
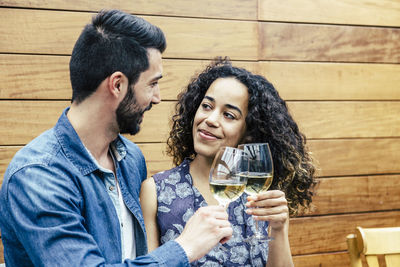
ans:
(306, 42)
(322, 260)
(23, 120)
(356, 194)
(343, 157)
(322, 234)
(333, 81)
(156, 158)
(35, 77)
(6, 154)
(38, 32)
(363, 12)
(206, 38)
(234, 9)
(331, 119)
(47, 77)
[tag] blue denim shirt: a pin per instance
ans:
(55, 209)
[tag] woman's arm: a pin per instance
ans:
(272, 207)
(148, 201)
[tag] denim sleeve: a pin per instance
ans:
(169, 254)
(44, 211)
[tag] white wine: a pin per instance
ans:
(226, 191)
(258, 182)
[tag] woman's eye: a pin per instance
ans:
(229, 116)
(205, 106)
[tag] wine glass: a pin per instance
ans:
(259, 179)
(228, 175)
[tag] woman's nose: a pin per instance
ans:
(213, 119)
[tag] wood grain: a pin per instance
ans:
(322, 260)
(333, 81)
(233, 9)
(35, 77)
(156, 164)
(343, 157)
(334, 119)
(356, 194)
(1, 252)
(6, 154)
(47, 77)
(306, 42)
(38, 32)
(24, 120)
(323, 234)
(363, 12)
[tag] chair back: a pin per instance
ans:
(372, 242)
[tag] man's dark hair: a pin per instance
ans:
(114, 41)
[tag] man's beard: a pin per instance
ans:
(129, 114)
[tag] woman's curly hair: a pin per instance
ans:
(268, 120)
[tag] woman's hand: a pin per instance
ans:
(269, 206)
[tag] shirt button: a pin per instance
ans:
(111, 188)
(122, 224)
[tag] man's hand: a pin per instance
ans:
(208, 226)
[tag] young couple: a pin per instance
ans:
(71, 196)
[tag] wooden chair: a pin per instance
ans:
(372, 242)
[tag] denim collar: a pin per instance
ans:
(75, 150)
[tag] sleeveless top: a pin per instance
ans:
(178, 200)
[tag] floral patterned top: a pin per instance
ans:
(177, 201)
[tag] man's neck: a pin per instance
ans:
(94, 130)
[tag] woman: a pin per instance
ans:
(226, 106)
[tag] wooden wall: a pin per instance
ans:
(335, 62)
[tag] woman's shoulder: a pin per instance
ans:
(174, 173)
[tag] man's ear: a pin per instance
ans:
(117, 84)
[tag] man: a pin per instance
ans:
(71, 196)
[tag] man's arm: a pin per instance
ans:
(45, 213)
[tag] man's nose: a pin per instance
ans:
(156, 99)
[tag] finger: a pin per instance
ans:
(272, 219)
(268, 211)
(266, 195)
(267, 203)
(213, 212)
(224, 234)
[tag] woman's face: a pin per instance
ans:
(220, 118)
